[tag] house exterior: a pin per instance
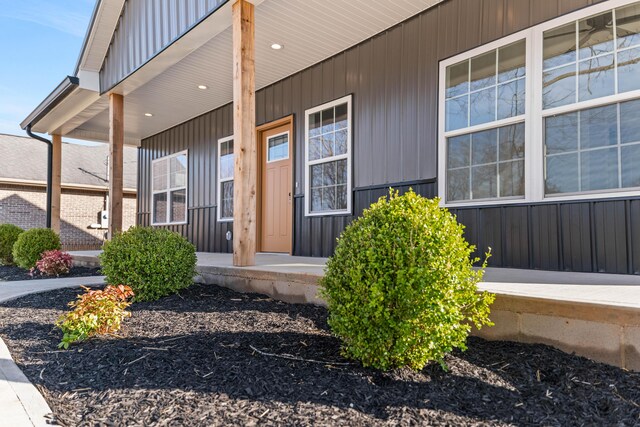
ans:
(84, 191)
(521, 115)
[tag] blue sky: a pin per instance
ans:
(39, 45)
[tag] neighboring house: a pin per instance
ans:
(521, 115)
(23, 163)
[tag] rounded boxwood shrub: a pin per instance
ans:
(154, 262)
(401, 287)
(32, 243)
(8, 236)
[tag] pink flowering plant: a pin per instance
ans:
(54, 263)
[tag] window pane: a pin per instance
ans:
(484, 181)
(630, 122)
(458, 184)
(483, 106)
(329, 172)
(316, 176)
(329, 198)
(628, 26)
(562, 174)
(226, 200)
(597, 78)
(596, 35)
(341, 116)
(316, 200)
(511, 99)
(599, 127)
(561, 133)
(278, 148)
(226, 160)
(178, 166)
(629, 70)
(341, 142)
(483, 71)
(559, 87)
(160, 208)
(160, 175)
(511, 63)
(630, 156)
(327, 120)
(512, 179)
(560, 46)
(457, 79)
(511, 142)
(328, 142)
(459, 151)
(599, 169)
(314, 124)
(342, 174)
(341, 197)
(178, 205)
(456, 113)
(315, 148)
(484, 147)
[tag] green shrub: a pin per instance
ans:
(154, 262)
(401, 288)
(32, 243)
(8, 235)
(96, 312)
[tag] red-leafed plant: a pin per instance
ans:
(96, 312)
(54, 263)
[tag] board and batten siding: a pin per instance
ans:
(144, 29)
(393, 78)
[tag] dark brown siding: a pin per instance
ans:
(394, 81)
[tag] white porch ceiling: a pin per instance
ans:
(309, 30)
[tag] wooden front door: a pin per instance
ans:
(276, 186)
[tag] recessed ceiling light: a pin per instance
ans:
(276, 46)
(148, 114)
(203, 87)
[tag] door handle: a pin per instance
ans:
(289, 195)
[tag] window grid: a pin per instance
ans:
(338, 186)
(225, 182)
(168, 190)
(536, 114)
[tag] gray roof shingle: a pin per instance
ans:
(24, 158)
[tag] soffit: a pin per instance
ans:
(310, 32)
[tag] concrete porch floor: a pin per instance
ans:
(592, 314)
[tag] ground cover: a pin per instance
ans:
(209, 356)
(10, 273)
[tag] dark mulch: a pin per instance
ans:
(188, 360)
(10, 273)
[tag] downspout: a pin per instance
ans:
(49, 170)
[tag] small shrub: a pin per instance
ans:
(31, 244)
(154, 262)
(401, 288)
(54, 263)
(8, 235)
(96, 312)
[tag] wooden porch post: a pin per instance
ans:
(56, 182)
(244, 129)
(116, 143)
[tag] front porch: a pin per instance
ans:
(593, 315)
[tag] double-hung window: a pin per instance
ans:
(328, 158)
(169, 185)
(549, 112)
(225, 179)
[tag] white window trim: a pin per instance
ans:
(266, 148)
(220, 180)
(308, 163)
(533, 117)
(170, 189)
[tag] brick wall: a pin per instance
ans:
(25, 207)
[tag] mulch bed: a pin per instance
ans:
(196, 359)
(10, 273)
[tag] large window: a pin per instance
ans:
(225, 179)
(169, 182)
(328, 158)
(550, 112)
